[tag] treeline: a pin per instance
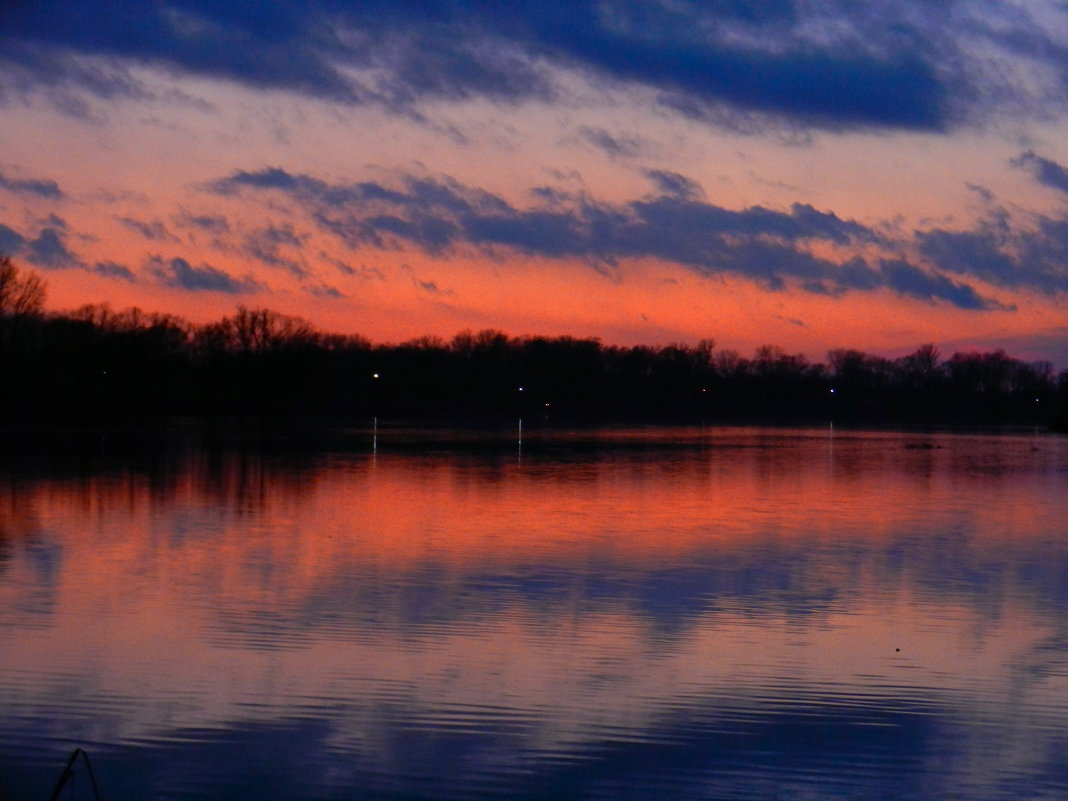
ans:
(95, 361)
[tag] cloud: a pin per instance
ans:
(32, 186)
(766, 64)
(110, 269)
(690, 217)
(432, 288)
(672, 183)
(11, 241)
(773, 248)
(911, 281)
(266, 245)
(834, 65)
(363, 271)
(210, 223)
(615, 145)
(180, 274)
(1047, 172)
(438, 63)
(47, 249)
(154, 231)
(268, 45)
(1003, 256)
(64, 76)
(325, 291)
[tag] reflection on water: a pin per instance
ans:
(720, 613)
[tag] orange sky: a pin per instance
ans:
(637, 209)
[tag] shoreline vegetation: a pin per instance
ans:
(95, 364)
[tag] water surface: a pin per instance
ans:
(632, 613)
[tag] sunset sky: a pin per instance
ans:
(807, 173)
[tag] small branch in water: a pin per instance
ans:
(68, 773)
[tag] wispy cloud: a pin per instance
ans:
(615, 145)
(210, 223)
(325, 291)
(180, 274)
(676, 225)
(1026, 259)
(675, 184)
(46, 249)
(269, 246)
(112, 269)
(867, 64)
(152, 230)
(33, 186)
(1046, 171)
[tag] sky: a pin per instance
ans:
(812, 174)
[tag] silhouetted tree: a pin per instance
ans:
(22, 296)
(922, 363)
(21, 292)
(95, 360)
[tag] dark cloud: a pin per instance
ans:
(211, 223)
(543, 233)
(832, 64)
(773, 248)
(1002, 256)
(154, 230)
(63, 73)
(1047, 172)
(325, 291)
(47, 249)
(282, 234)
(551, 195)
(180, 274)
(671, 183)
(32, 186)
(432, 288)
(763, 64)
(909, 280)
(54, 221)
(11, 241)
(342, 266)
(304, 186)
(112, 270)
(267, 245)
(688, 218)
(437, 63)
(363, 271)
(615, 145)
(266, 45)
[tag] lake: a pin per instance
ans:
(628, 613)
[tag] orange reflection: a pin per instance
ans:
(583, 587)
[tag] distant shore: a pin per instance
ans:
(96, 365)
(100, 365)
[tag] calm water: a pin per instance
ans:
(630, 614)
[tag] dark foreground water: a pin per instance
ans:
(630, 614)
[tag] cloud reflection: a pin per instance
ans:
(744, 609)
